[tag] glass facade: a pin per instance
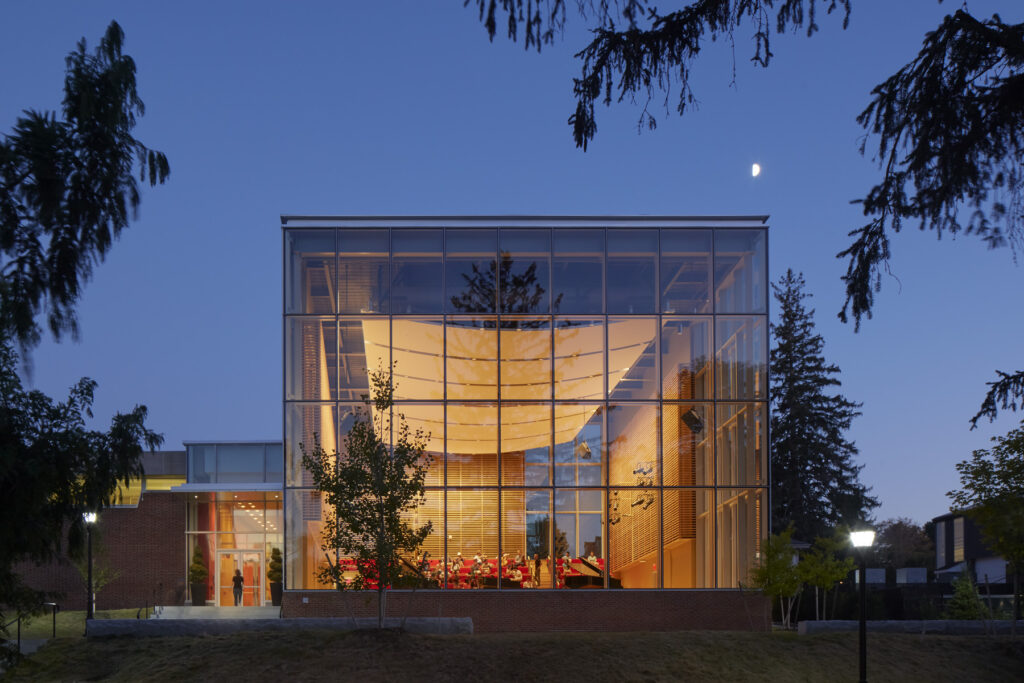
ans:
(235, 515)
(595, 390)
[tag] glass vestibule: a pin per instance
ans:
(235, 530)
(589, 409)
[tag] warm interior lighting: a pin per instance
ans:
(862, 539)
(473, 428)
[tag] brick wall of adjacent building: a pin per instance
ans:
(145, 544)
(566, 610)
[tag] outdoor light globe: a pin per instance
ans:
(862, 539)
(89, 517)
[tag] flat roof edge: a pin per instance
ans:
(299, 220)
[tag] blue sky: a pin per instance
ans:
(270, 108)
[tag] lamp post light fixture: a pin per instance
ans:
(862, 540)
(90, 519)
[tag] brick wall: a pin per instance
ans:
(566, 610)
(146, 544)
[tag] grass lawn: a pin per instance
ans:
(583, 657)
(70, 624)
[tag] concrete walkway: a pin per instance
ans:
(99, 628)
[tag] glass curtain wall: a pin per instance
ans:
(596, 397)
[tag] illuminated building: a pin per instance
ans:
(591, 386)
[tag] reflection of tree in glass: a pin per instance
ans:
(537, 537)
(520, 292)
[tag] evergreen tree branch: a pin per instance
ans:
(1007, 393)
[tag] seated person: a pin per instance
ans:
(592, 558)
(516, 576)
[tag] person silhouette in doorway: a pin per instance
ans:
(237, 582)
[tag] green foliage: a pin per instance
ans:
(815, 483)
(992, 494)
(52, 469)
(66, 188)
(776, 574)
(902, 543)
(102, 572)
(274, 571)
(197, 571)
(824, 566)
(636, 50)
(965, 603)
(367, 489)
(950, 131)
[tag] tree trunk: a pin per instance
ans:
(817, 608)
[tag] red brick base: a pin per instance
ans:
(144, 544)
(569, 610)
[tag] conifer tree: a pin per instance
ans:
(815, 482)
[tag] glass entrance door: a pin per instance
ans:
(250, 563)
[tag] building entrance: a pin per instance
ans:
(250, 563)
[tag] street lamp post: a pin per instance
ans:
(90, 519)
(862, 540)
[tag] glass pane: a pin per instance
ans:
(689, 551)
(205, 544)
(202, 464)
(274, 517)
(240, 462)
(579, 446)
(311, 359)
(633, 538)
(740, 519)
(429, 419)
(686, 358)
(579, 358)
(472, 360)
(301, 422)
(310, 278)
(525, 444)
(633, 445)
(363, 278)
(578, 539)
(473, 538)
(275, 462)
(241, 516)
(417, 274)
(686, 441)
(418, 353)
(202, 512)
(429, 560)
(470, 267)
(741, 358)
(632, 269)
(685, 271)
(741, 444)
(526, 539)
(525, 271)
(525, 359)
(740, 271)
(578, 271)
(303, 555)
(633, 358)
(472, 444)
(363, 347)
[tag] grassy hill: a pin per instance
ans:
(584, 657)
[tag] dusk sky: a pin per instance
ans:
(387, 107)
